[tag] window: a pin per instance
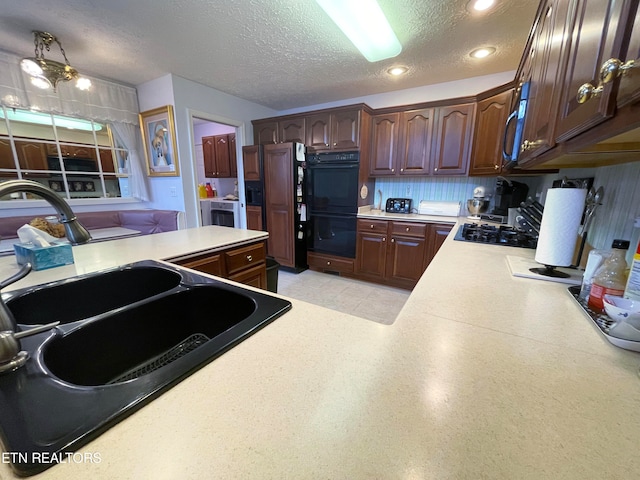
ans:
(76, 158)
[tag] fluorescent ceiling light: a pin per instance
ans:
(363, 22)
(26, 116)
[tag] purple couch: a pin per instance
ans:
(144, 221)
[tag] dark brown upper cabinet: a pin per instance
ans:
(491, 118)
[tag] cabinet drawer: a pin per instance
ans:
(375, 226)
(244, 257)
(327, 262)
(255, 276)
(411, 229)
(211, 264)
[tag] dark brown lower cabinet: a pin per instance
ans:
(254, 218)
(329, 263)
(396, 253)
(244, 264)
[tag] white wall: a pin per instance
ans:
(164, 192)
(427, 93)
(191, 99)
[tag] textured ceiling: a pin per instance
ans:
(278, 53)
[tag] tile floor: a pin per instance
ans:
(363, 299)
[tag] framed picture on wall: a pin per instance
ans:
(159, 138)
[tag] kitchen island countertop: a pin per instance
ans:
(482, 375)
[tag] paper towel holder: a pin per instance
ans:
(549, 271)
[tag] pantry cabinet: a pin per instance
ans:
(396, 252)
(279, 202)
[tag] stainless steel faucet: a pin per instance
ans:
(11, 357)
(76, 233)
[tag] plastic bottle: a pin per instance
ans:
(209, 190)
(611, 277)
(202, 190)
(632, 290)
(214, 192)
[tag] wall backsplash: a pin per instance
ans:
(448, 189)
(613, 219)
(620, 205)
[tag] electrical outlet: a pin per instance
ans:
(173, 192)
(408, 190)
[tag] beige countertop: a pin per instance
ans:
(408, 217)
(101, 255)
(482, 375)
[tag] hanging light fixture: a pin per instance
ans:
(47, 73)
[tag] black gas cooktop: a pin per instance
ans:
(495, 234)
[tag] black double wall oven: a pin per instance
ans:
(332, 200)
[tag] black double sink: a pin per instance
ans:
(126, 335)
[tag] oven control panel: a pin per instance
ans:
(398, 205)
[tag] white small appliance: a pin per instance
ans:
(217, 211)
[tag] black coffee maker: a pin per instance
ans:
(509, 194)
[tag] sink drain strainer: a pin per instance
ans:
(180, 350)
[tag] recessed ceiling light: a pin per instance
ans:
(481, 5)
(482, 52)
(397, 71)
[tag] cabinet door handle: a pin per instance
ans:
(393, 240)
(384, 239)
(249, 258)
(609, 71)
(505, 155)
(328, 263)
(372, 226)
(335, 144)
(435, 169)
(393, 169)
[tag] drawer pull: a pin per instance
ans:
(249, 258)
(372, 226)
(393, 240)
(408, 229)
(328, 263)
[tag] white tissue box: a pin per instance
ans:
(41, 258)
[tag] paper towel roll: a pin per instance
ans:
(559, 228)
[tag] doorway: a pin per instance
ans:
(204, 125)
